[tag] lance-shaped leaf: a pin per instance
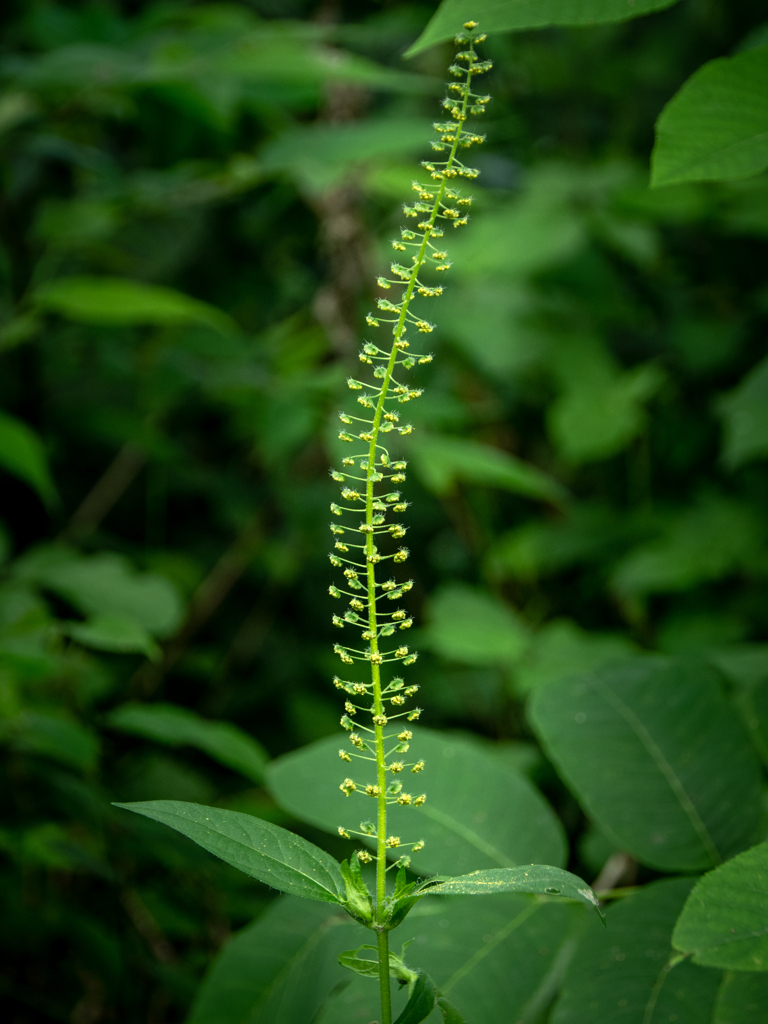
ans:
(265, 851)
(511, 15)
(540, 879)
(421, 1003)
(724, 921)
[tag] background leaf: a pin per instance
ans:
(466, 624)
(117, 300)
(177, 726)
(508, 15)
(723, 921)
(478, 812)
(741, 999)
(619, 973)
(745, 419)
(716, 126)
(278, 970)
(638, 743)
(265, 851)
(22, 454)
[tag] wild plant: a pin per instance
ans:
(377, 717)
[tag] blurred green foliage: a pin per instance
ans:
(195, 198)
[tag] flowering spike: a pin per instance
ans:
(437, 203)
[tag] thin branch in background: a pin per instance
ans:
(106, 492)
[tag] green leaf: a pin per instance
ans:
(704, 541)
(177, 726)
(119, 301)
(532, 878)
(601, 408)
(724, 921)
(471, 626)
(450, 1014)
(265, 851)
(517, 15)
(278, 970)
(441, 461)
(716, 127)
(104, 584)
(368, 968)
(113, 631)
(657, 757)
(23, 455)
(619, 974)
(59, 738)
(478, 812)
(742, 999)
(467, 946)
(421, 1003)
(744, 412)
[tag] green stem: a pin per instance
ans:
(381, 778)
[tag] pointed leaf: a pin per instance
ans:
(511, 15)
(724, 921)
(22, 454)
(421, 1003)
(716, 127)
(119, 301)
(533, 878)
(178, 726)
(265, 851)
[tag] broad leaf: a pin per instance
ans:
(118, 301)
(619, 974)
(516, 15)
(723, 923)
(442, 460)
(744, 412)
(421, 1002)
(113, 631)
(272, 854)
(479, 813)
(59, 738)
(716, 127)
(467, 946)
(742, 999)
(177, 726)
(104, 584)
(278, 970)
(470, 625)
(657, 757)
(532, 878)
(22, 454)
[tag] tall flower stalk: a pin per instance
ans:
(376, 714)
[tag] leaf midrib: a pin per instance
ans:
(469, 834)
(662, 764)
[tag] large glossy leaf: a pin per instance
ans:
(496, 959)
(177, 726)
(441, 461)
(657, 757)
(725, 921)
(22, 454)
(479, 813)
(510, 15)
(116, 301)
(716, 126)
(272, 854)
(744, 412)
(470, 625)
(278, 970)
(742, 999)
(619, 974)
(532, 878)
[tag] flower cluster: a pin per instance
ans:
(375, 711)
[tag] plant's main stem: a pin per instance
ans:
(381, 862)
